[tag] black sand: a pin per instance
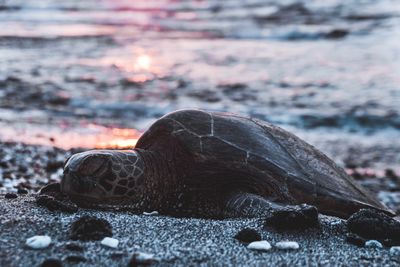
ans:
(174, 241)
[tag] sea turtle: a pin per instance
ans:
(209, 164)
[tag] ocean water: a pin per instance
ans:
(98, 73)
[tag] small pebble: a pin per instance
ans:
(74, 247)
(51, 263)
(391, 174)
(287, 245)
(140, 258)
(373, 244)
(110, 242)
(150, 213)
(298, 217)
(22, 191)
(11, 195)
(375, 225)
(90, 228)
(260, 245)
(38, 241)
(337, 222)
(117, 255)
(75, 259)
(395, 252)
(248, 235)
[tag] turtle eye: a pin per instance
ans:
(91, 165)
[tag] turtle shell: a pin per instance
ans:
(244, 154)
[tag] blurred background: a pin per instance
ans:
(96, 74)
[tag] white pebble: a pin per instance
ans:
(38, 241)
(287, 245)
(336, 222)
(395, 251)
(373, 244)
(259, 245)
(110, 242)
(150, 213)
(143, 257)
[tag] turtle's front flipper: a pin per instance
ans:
(248, 205)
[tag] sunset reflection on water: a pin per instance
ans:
(143, 62)
(135, 64)
(118, 138)
(87, 136)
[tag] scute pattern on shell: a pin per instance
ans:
(259, 157)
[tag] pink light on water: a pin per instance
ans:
(79, 136)
(143, 62)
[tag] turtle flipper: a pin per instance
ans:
(248, 205)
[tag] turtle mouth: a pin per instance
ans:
(87, 193)
(83, 200)
(73, 183)
(87, 201)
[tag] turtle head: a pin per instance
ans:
(103, 176)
